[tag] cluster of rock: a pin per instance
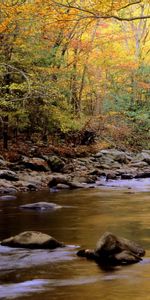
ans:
(110, 250)
(34, 173)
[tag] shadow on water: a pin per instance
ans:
(85, 215)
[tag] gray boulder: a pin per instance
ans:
(143, 156)
(55, 181)
(8, 197)
(61, 186)
(8, 190)
(32, 240)
(8, 175)
(42, 206)
(114, 155)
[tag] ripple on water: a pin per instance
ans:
(11, 291)
(13, 258)
(134, 184)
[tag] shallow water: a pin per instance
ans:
(123, 209)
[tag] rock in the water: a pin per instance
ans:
(57, 180)
(61, 186)
(111, 244)
(32, 240)
(111, 176)
(143, 174)
(113, 250)
(41, 206)
(76, 185)
(8, 190)
(125, 258)
(127, 176)
(8, 197)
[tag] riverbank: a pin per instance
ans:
(36, 172)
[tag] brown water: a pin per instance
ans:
(84, 217)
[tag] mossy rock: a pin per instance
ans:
(32, 240)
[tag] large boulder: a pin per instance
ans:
(112, 250)
(32, 240)
(144, 174)
(113, 155)
(143, 156)
(111, 244)
(56, 164)
(55, 182)
(34, 164)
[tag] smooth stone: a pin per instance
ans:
(8, 197)
(8, 190)
(32, 240)
(41, 206)
(62, 186)
(55, 180)
(127, 176)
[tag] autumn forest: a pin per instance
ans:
(75, 70)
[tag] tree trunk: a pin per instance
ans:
(5, 132)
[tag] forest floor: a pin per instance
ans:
(21, 146)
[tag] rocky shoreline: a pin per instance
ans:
(33, 173)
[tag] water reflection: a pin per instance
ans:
(12, 291)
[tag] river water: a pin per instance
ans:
(122, 208)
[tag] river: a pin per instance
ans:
(86, 214)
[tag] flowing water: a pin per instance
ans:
(85, 215)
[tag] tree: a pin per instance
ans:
(64, 62)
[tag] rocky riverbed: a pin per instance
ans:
(32, 173)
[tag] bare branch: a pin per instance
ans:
(130, 4)
(24, 75)
(128, 19)
(94, 15)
